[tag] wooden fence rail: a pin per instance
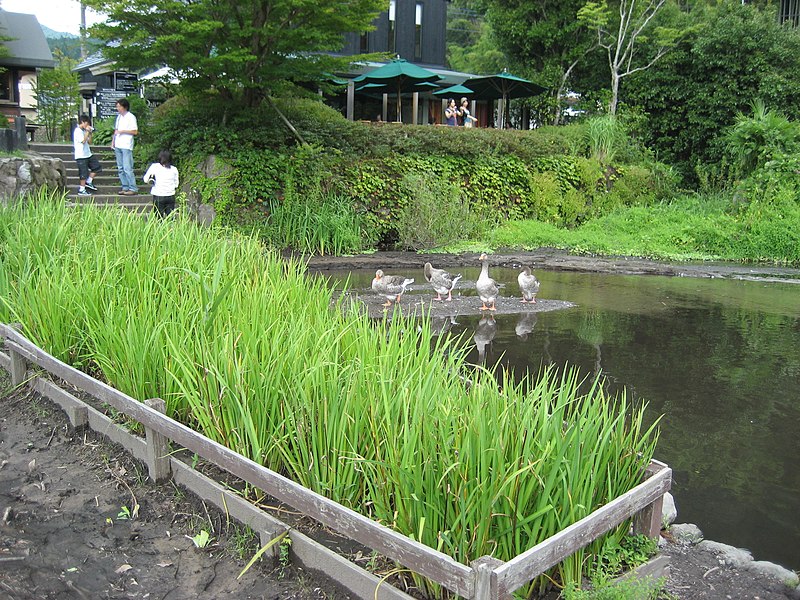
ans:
(487, 578)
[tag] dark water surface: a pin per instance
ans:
(720, 359)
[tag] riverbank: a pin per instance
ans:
(558, 260)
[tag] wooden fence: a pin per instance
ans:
(485, 579)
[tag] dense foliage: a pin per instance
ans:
(243, 346)
(739, 54)
(548, 174)
(240, 49)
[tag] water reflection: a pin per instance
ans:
(525, 325)
(485, 332)
(718, 358)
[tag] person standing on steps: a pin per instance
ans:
(125, 128)
(165, 182)
(88, 165)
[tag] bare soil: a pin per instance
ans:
(64, 532)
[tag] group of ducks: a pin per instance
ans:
(392, 287)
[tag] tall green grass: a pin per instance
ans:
(245, 347)
(688, 228)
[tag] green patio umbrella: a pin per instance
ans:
(502, 86)
(454, 91)
(398, 76)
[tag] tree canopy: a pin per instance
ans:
(739, 54)
(242, 49)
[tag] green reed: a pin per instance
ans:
(245, 347)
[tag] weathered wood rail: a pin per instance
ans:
(486, 578)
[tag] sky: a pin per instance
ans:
(59, 15)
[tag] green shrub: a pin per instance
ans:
(436, 214)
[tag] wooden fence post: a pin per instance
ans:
(158, 463)
(485, 579)
(19, 366)
(648, 520)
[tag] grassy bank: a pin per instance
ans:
(688, 228)
(245, 348)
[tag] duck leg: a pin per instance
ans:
(387, 303)
(494, 305)
(438, 297)
(450, 296)
(484, 307)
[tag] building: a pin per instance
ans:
(413, 29)
(27, 53)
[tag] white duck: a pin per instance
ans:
(484, 334)
(390, 286)
(528, 285)
(486, 286)
(441, 281)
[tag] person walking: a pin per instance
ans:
(125, 128)
(88, 165)
(165, 182)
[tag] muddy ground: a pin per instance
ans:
(64, 533)
(67, 528)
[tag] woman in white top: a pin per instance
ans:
(165, 181)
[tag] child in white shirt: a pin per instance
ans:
(165, 182)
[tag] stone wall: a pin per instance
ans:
(20, 175)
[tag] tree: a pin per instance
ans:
(543, 40)
(625, 36)
(57, 97)
(737, 54)
(242, 49)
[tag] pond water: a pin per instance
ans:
(720, 359)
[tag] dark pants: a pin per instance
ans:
(87, 166)
(164, 205)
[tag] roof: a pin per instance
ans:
(29, 47)
(96, 63)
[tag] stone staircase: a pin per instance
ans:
(107, 182)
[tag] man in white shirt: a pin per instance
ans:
(125, 128)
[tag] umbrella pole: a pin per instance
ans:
(399, 108)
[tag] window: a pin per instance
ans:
(392, 29)
(418, 32)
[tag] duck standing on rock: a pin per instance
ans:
(528, 285)
(441, 281)
(486, 286)
(390, 286)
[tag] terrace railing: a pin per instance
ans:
(486, 578)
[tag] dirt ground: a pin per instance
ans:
(64, 531)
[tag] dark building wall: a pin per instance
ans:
(434, 23)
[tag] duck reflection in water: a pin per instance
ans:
(484, 334)
(441, 325)
(525, 325)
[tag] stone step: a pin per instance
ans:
(135, 208)
(101, 198)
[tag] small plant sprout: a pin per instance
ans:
(267, 546)
(124, 514)
(202, 539)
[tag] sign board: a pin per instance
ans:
(107, 102)
(126, 82)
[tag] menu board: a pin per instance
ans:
(126, 82)
(107, 102)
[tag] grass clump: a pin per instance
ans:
(244, 347)
(689, 228)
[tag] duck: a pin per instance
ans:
(390, 286)
(528, 285)
(441, 281)
(486, 286)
